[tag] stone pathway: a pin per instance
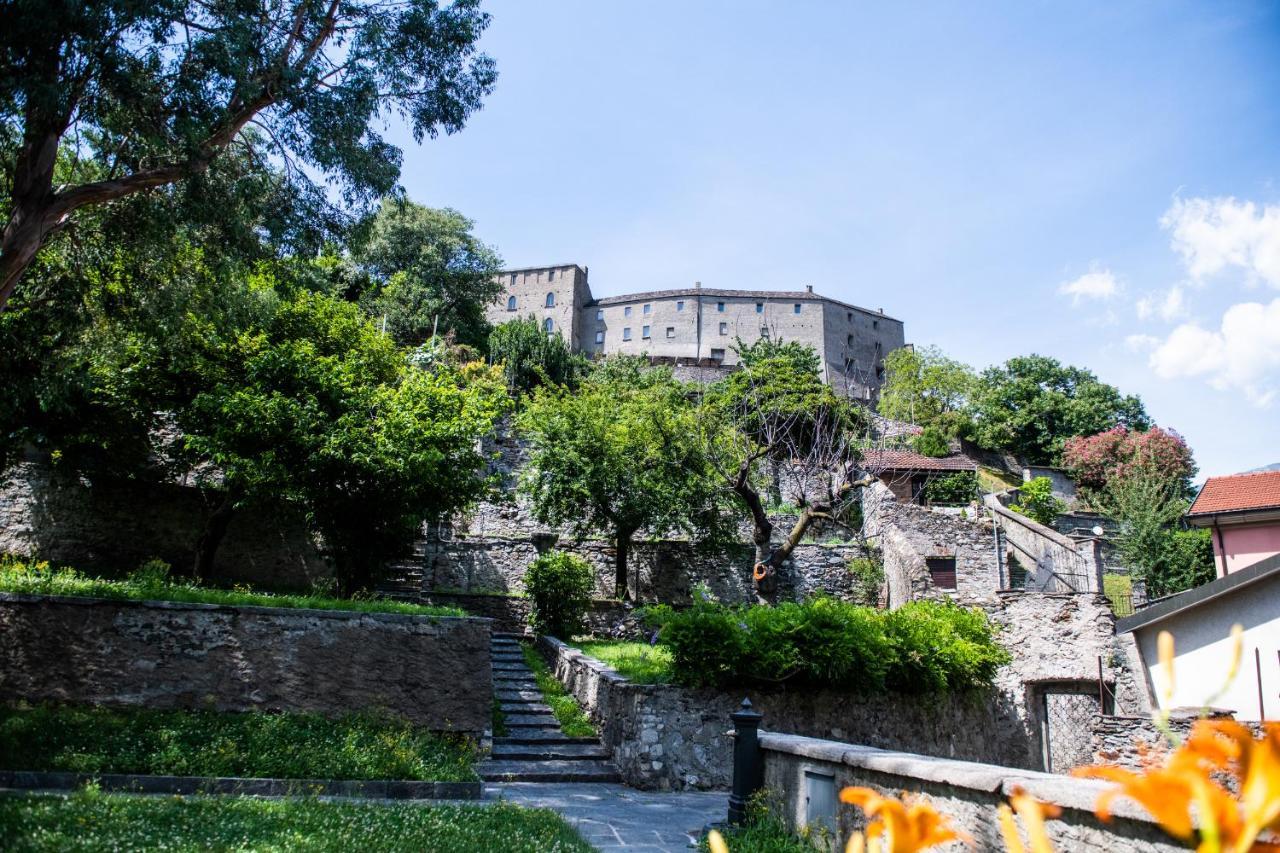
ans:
(535, 749)
(615, 817)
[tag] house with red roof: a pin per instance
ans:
(1243, 513)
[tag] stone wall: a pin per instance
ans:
(1136, 743)
(510, 613)
(432, 671)
(967, 793)
(1052, 561)
(102, 523)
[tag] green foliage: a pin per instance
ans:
(433, 274)
(1036, 501)
(639, 663)
(560, 586)
(150, 583)
(619, 454)
(94, 821)
(952, 490)
(931, 442)
(1186, 561)
(530, 357)
(923, 386)
(921, 647)
(211, 743)
(573, 722)
(766, 832)
(869, 571)
(1032, 404)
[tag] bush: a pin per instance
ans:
(931, 442)
(870, 574)
(1036, 501)
(922, 647)
(1186, 561)
(560, 586)
(952, 490)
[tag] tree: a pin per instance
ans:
(1118, 454)
(531, 357)
(155, 93)
(923, 386)
(433, 273)
(1032, 404)
(1037, 502)
(777, 411)
(1150, 544)
(620, 454)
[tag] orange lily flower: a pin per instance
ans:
(1033, 813)
(904, 827)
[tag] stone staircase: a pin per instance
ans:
(403, 579)
(535, 749)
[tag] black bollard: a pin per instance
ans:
(748, 769)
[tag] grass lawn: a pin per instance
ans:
(1119, 588)
(211, 743)
(573, 722)
(638, 662)
(91, 821)
(34, 578)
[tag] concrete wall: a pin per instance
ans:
(1203, 650)
(1245, 544)
(102, 523)
(967, 793)
(432, 671)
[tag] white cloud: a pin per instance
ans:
(1169, 306)
(1095, 284)
(1244, 354)
(1141, 343)
(1214, 234)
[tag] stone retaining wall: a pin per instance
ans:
(510, 613)
(1135, 742)
(432, 671)
(968, 793)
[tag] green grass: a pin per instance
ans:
(573, 722)
(38, 578)
(212, 743)
(640, 663)
(768, 835)
(91, 821)
(1119, 588)
(499, 719)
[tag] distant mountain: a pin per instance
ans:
(1274, 466)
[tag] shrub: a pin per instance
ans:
(1036, 501)
(707, 645)
(931, 442)
(952, 490)
(941, 647)
(560, 586)
(870, 574)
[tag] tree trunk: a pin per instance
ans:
(215, 529)
(621, 551)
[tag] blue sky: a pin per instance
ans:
(1096, 182)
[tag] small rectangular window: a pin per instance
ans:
(764, 331)
(647, 308)
(551, 275)
(644, 332)
(875, 324)
(942, 571)
(671, 331)
(759, 307)
(679, 304)
(599, 313)
(599, 337)
(720, 307)
(513, 278)
(850, 316)
(717, 354)
(724, 328)
(626, 312)
(797, 308)
(626, 333)
(848, 341)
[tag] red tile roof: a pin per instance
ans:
(1238, 492)
(906, 460)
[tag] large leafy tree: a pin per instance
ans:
(1110, 457)
(924, 386)
(1032, 404)
(531, 357)
(621, 455)
(434, 274)
(155, 93)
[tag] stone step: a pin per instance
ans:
(506, 635)
(549, 751)
(510, 666)
(537, 737)
(547, 771)
(539, 719)
(524, 707)
(500, 683)
(518, 695)
(504, 658)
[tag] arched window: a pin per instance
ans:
(511, 303)
(548, 326)
(551, 300)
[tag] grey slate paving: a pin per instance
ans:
(614, 817)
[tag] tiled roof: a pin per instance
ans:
(907, 460)
(1238, 492)
(762, 295)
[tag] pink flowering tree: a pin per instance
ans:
(1120, 455)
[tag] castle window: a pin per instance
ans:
(848, 341)
(764, 331)
(626, 312)
(759, 307)
(724, 328)
(551, 300)
(511, 303)
(875, 324)
(551, 275)
(796, 309)
(644, 332)
(680, 305)
(671, 331)
(717, 354)
(599, 337)
(647, 308)
(599, 313)
(548, 326)
(850, 316)
(626, 333)
(942, 571)
(513, 279)
(720, 307)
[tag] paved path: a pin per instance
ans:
(615, 817)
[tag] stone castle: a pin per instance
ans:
(698, 327)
